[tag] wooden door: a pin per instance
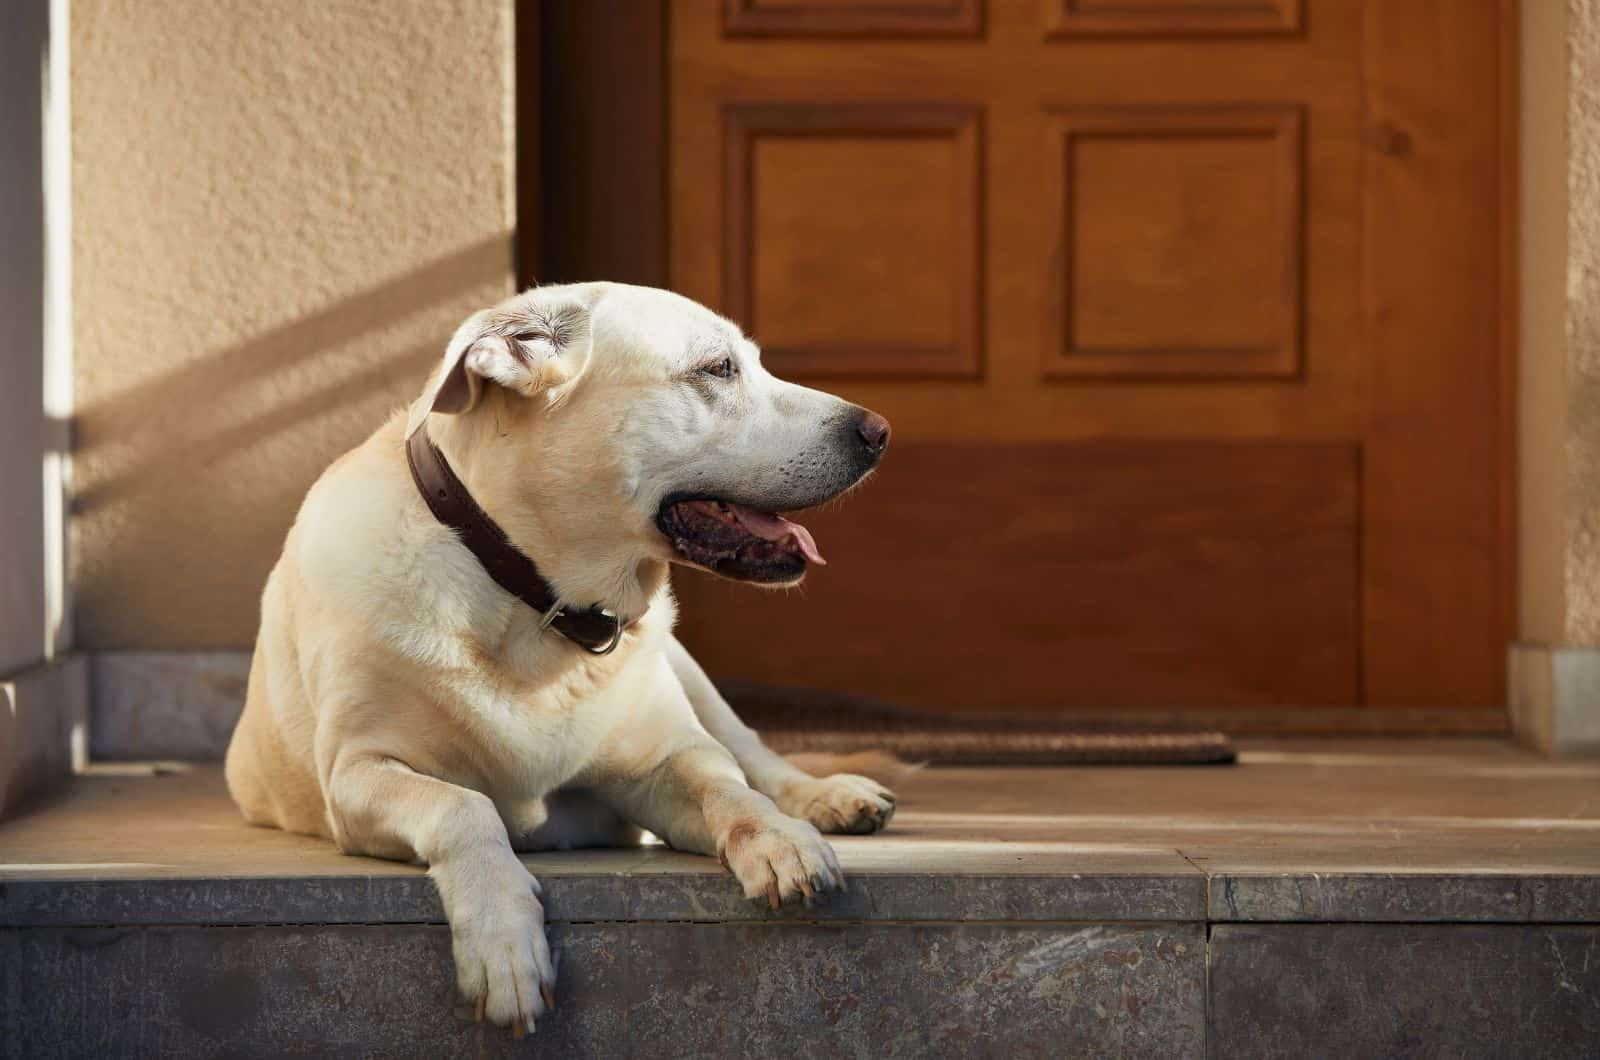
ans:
(1189, 320)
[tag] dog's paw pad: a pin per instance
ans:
(841, 804)
(781, 859)
(505, 971)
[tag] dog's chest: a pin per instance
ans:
(534, 733)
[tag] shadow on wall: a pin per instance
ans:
(194, 475)
(160, 425)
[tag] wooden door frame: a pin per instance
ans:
(582, 66)
(1508, 342)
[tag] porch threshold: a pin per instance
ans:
(1162, 907)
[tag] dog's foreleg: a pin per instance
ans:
(696, 799)
(382, 807)
(843, 802)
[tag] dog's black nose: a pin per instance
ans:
(874, 431)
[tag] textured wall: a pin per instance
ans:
(281, 211)
(1542, 377)
(1559, 383)
(1583, 325)
(1554, 676)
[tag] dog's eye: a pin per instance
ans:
(723, 369)
(531, 336)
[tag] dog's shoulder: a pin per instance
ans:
(365, 551)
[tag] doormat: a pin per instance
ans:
(793, 721)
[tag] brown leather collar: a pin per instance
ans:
(592, 629)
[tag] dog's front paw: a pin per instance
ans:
(780, 858)
(843, 802)
(504, 970)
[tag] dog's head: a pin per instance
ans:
(632, 423)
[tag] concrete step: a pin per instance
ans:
(1312, 901)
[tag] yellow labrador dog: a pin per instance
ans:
(466, 647)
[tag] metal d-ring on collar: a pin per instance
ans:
(557, 612)
(593, 629)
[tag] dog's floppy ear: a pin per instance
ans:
(518, 347)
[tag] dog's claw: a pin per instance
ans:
(483, 1002)
(548, 995)
(772, 894)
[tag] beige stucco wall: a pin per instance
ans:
(1559, 397)
(1555, 668)
(281, 210)
(1582, 567)
(1542, 381)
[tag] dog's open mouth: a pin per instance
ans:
(736, 541)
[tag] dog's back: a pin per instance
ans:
(270, 765)
(270, 762)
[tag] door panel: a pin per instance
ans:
(1193, 279)
(1050, 577)
(880, 203)
(1180, 241)
(861, 18)
(1139, 18)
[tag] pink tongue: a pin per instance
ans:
(775, 528)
